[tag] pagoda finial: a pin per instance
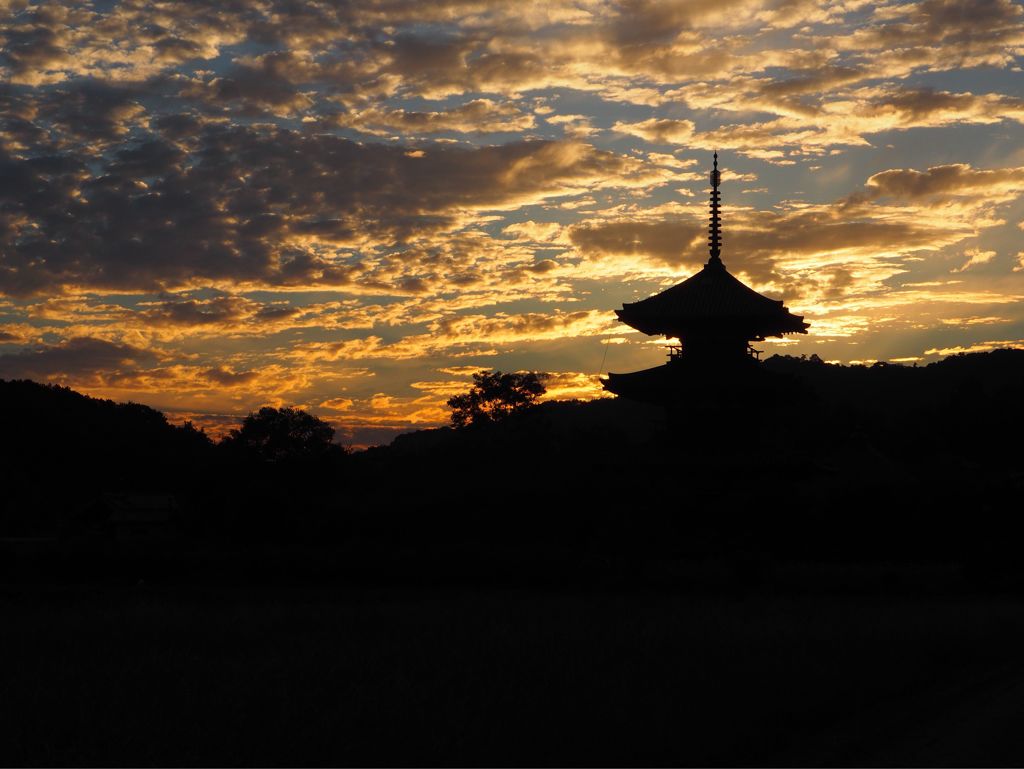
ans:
(714, 228)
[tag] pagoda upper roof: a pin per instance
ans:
(712, 303)
(712, 299)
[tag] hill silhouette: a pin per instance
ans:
(60, 447)
(64, 450)
(812, 461)
(828, 573)
(847, 462)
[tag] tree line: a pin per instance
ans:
(852, 459)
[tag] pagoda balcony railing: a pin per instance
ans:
(675, 352)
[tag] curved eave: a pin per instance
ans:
(650, 385)
(755, 326)
(679, 379)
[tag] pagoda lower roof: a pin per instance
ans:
(652, 385)
(690, 384)
(713, 299)
(673, 379)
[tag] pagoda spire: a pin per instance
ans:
(714, 227)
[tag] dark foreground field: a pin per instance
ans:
(178, 675)
(829, 573)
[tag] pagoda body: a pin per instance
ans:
(714, 316)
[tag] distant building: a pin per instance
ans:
(134, 519)
(714, 316)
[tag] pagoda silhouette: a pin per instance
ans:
(714, 317)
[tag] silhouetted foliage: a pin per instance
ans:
(59, 448)
(848, 481)
(282, 435)
(495, 395)
(51, 431)
(880, 448)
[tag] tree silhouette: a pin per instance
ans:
(278, 435)
(495, 395)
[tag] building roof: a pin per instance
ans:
(139, 508)
(653, 385)
(739, 381)
(712, 300)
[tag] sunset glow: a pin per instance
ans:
(209, 207)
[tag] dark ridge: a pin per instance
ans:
(811, 461)
(830, 576)
(52, 432)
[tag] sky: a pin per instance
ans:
(209, 206)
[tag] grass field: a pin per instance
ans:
(232, 676)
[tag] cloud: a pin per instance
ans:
(337, 404)
(939, 182)
(249, 90)
(755, 241)
(501, 328)
(986, 346)
(671, 241)
(573, 385)
(931, 107)
(225, 377)
(476, 116)
(73, 359)
(975, 256)
(964, 33)
(93, 111)
(462, 370)
(34, 42)
(823, 259)
(241, 209)
(217, 311)
(245, 196)
(455, 335)
(660, 131)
